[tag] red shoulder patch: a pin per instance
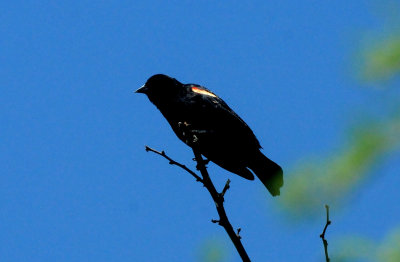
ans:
(202, 91)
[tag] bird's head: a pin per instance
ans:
(160, 87)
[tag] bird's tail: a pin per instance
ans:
(270, 173)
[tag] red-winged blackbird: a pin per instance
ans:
(220, 134)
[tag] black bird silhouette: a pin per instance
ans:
(220, 134)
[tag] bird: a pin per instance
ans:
(218, 133)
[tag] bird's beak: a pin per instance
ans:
(143, 89)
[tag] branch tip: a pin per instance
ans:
(238, 233)
(226, 187)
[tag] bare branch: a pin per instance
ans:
(217, 197)
(219, 204)
(324, 241)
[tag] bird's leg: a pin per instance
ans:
(191, 138)
(190, 135)
(183, 126)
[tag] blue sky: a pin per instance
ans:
(76, 183)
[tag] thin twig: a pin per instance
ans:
(226, 187)
(324, 241)
(173, 162)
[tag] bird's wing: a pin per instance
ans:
(217, 115)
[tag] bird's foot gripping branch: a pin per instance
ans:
(217, 197)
